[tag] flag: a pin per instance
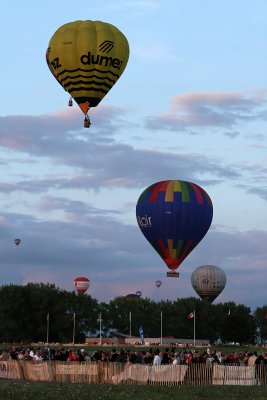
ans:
(191, 315)
(229, 312)
(141, 333)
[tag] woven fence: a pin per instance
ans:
(137, 374)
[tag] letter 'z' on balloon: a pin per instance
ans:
(174, 216)
(87, 58)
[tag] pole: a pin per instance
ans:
(130, 320)
(100, 328)
(73, 333)
(194, 327)
(161, 328)
(47, 328)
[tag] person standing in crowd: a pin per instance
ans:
(158, 357)
(113, 355)
(252, 357)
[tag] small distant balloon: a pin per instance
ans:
(138, 293)
(17, 242)
(81, 284)
(158, 283)
(208, 281)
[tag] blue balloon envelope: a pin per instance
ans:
(174, 216)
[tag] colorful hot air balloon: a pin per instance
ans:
(81, 284)
(17, 242)
(174, 216)
(138, 293)
(87, 58)
(208, 281)
(158, 283)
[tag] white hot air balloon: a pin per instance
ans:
(208, 281)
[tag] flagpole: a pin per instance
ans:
(161, 328)
(100, 328)
(194, 327)
(47, 328)
(130, 320)
(73, 333)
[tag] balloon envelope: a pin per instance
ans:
(158, 283)
(17, 242)
(87, 58)
(81, 284)
(208, 281)
(174, 216)
(138, 293)
(132, 296)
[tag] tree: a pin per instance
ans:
(260, 316)
(237, 328)
(24, 310)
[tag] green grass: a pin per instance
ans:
(58, 391)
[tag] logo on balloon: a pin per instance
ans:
(144, 222)
(92, 59)
(106, 46)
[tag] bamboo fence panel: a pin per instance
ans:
(234, 375)
(36, 371)
(140, 374)
(167, 374)
(10, 370)
(77, 372)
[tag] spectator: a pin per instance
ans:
(252, 358)
(113, 355)
(157, 358)
(72, 356)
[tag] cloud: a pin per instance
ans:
(213, 110)
(114, 255)
(88, 159)
(54, 173)
(100, 166)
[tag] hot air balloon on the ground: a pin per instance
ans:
(17, 241)
(132, 296)
(81, 284)
(87, 58)
(208, 281)
(174, 216)
(138, 293)
(158, 283)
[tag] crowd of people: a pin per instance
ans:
(151, 356)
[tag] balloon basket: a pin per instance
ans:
(86, 122)
(172, 274)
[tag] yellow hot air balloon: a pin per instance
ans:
(87, 58)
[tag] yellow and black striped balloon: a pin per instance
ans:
(87, 58)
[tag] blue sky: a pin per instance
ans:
(191, 105)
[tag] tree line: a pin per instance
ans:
(25, 310)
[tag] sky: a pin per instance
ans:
(191, 105)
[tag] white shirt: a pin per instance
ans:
(157, 360)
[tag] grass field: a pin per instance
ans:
(57, 391)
